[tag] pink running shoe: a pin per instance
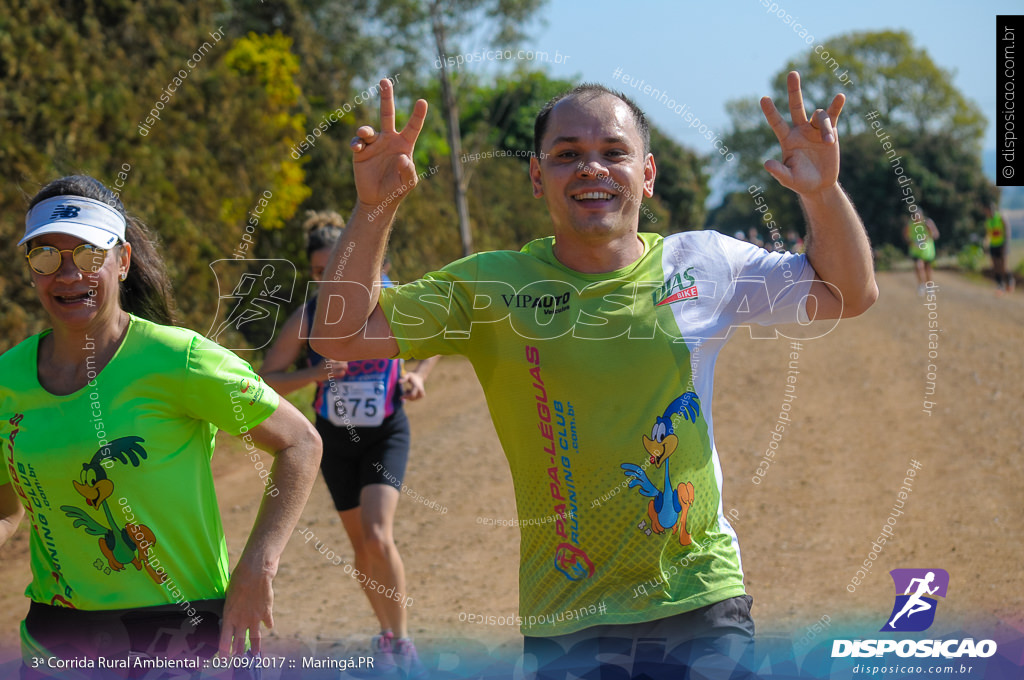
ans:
(408, 661)
(383, 646)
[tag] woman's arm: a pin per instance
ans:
(285, 350)
(412, 382)
(296, 448)
(11, 512)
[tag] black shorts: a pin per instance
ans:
(713, 641)
(997, 251)
(378, 456)
(133, 637)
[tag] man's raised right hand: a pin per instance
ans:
(384, 169)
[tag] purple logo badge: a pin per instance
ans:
(916, 593)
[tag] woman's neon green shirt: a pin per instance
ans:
(116, 478)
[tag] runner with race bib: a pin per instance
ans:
(365, 431)
(366, 395)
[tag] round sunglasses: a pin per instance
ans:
(46, 260)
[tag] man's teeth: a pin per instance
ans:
(593, 196)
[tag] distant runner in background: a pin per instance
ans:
(365, 431)
(920, 236)
(997, 235)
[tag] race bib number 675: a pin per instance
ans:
(360, 404)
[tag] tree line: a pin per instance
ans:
(221, 122)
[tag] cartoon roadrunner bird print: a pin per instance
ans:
(667, 509)
(117, 545)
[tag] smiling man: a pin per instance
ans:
(596, 350)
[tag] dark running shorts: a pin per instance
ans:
(378, 457)
(997, 251)
(134, 636)
(710, 642)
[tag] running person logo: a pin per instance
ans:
(255, 303)
(913, 612)
(914, 609)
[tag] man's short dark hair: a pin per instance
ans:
(590, 91)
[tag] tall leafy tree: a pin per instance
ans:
(440, 24)
(681, 186)
(898, 100)
(78, 79)
(157, 101)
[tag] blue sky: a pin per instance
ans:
(707, 53)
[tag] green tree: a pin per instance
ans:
(681, 185)
(341, 50)
(80, 80)
(440, 24)
(733, 214)
(890, 75)
(930, 126)
(501, 113)
(163, 95)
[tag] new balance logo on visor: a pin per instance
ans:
(64, 212)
